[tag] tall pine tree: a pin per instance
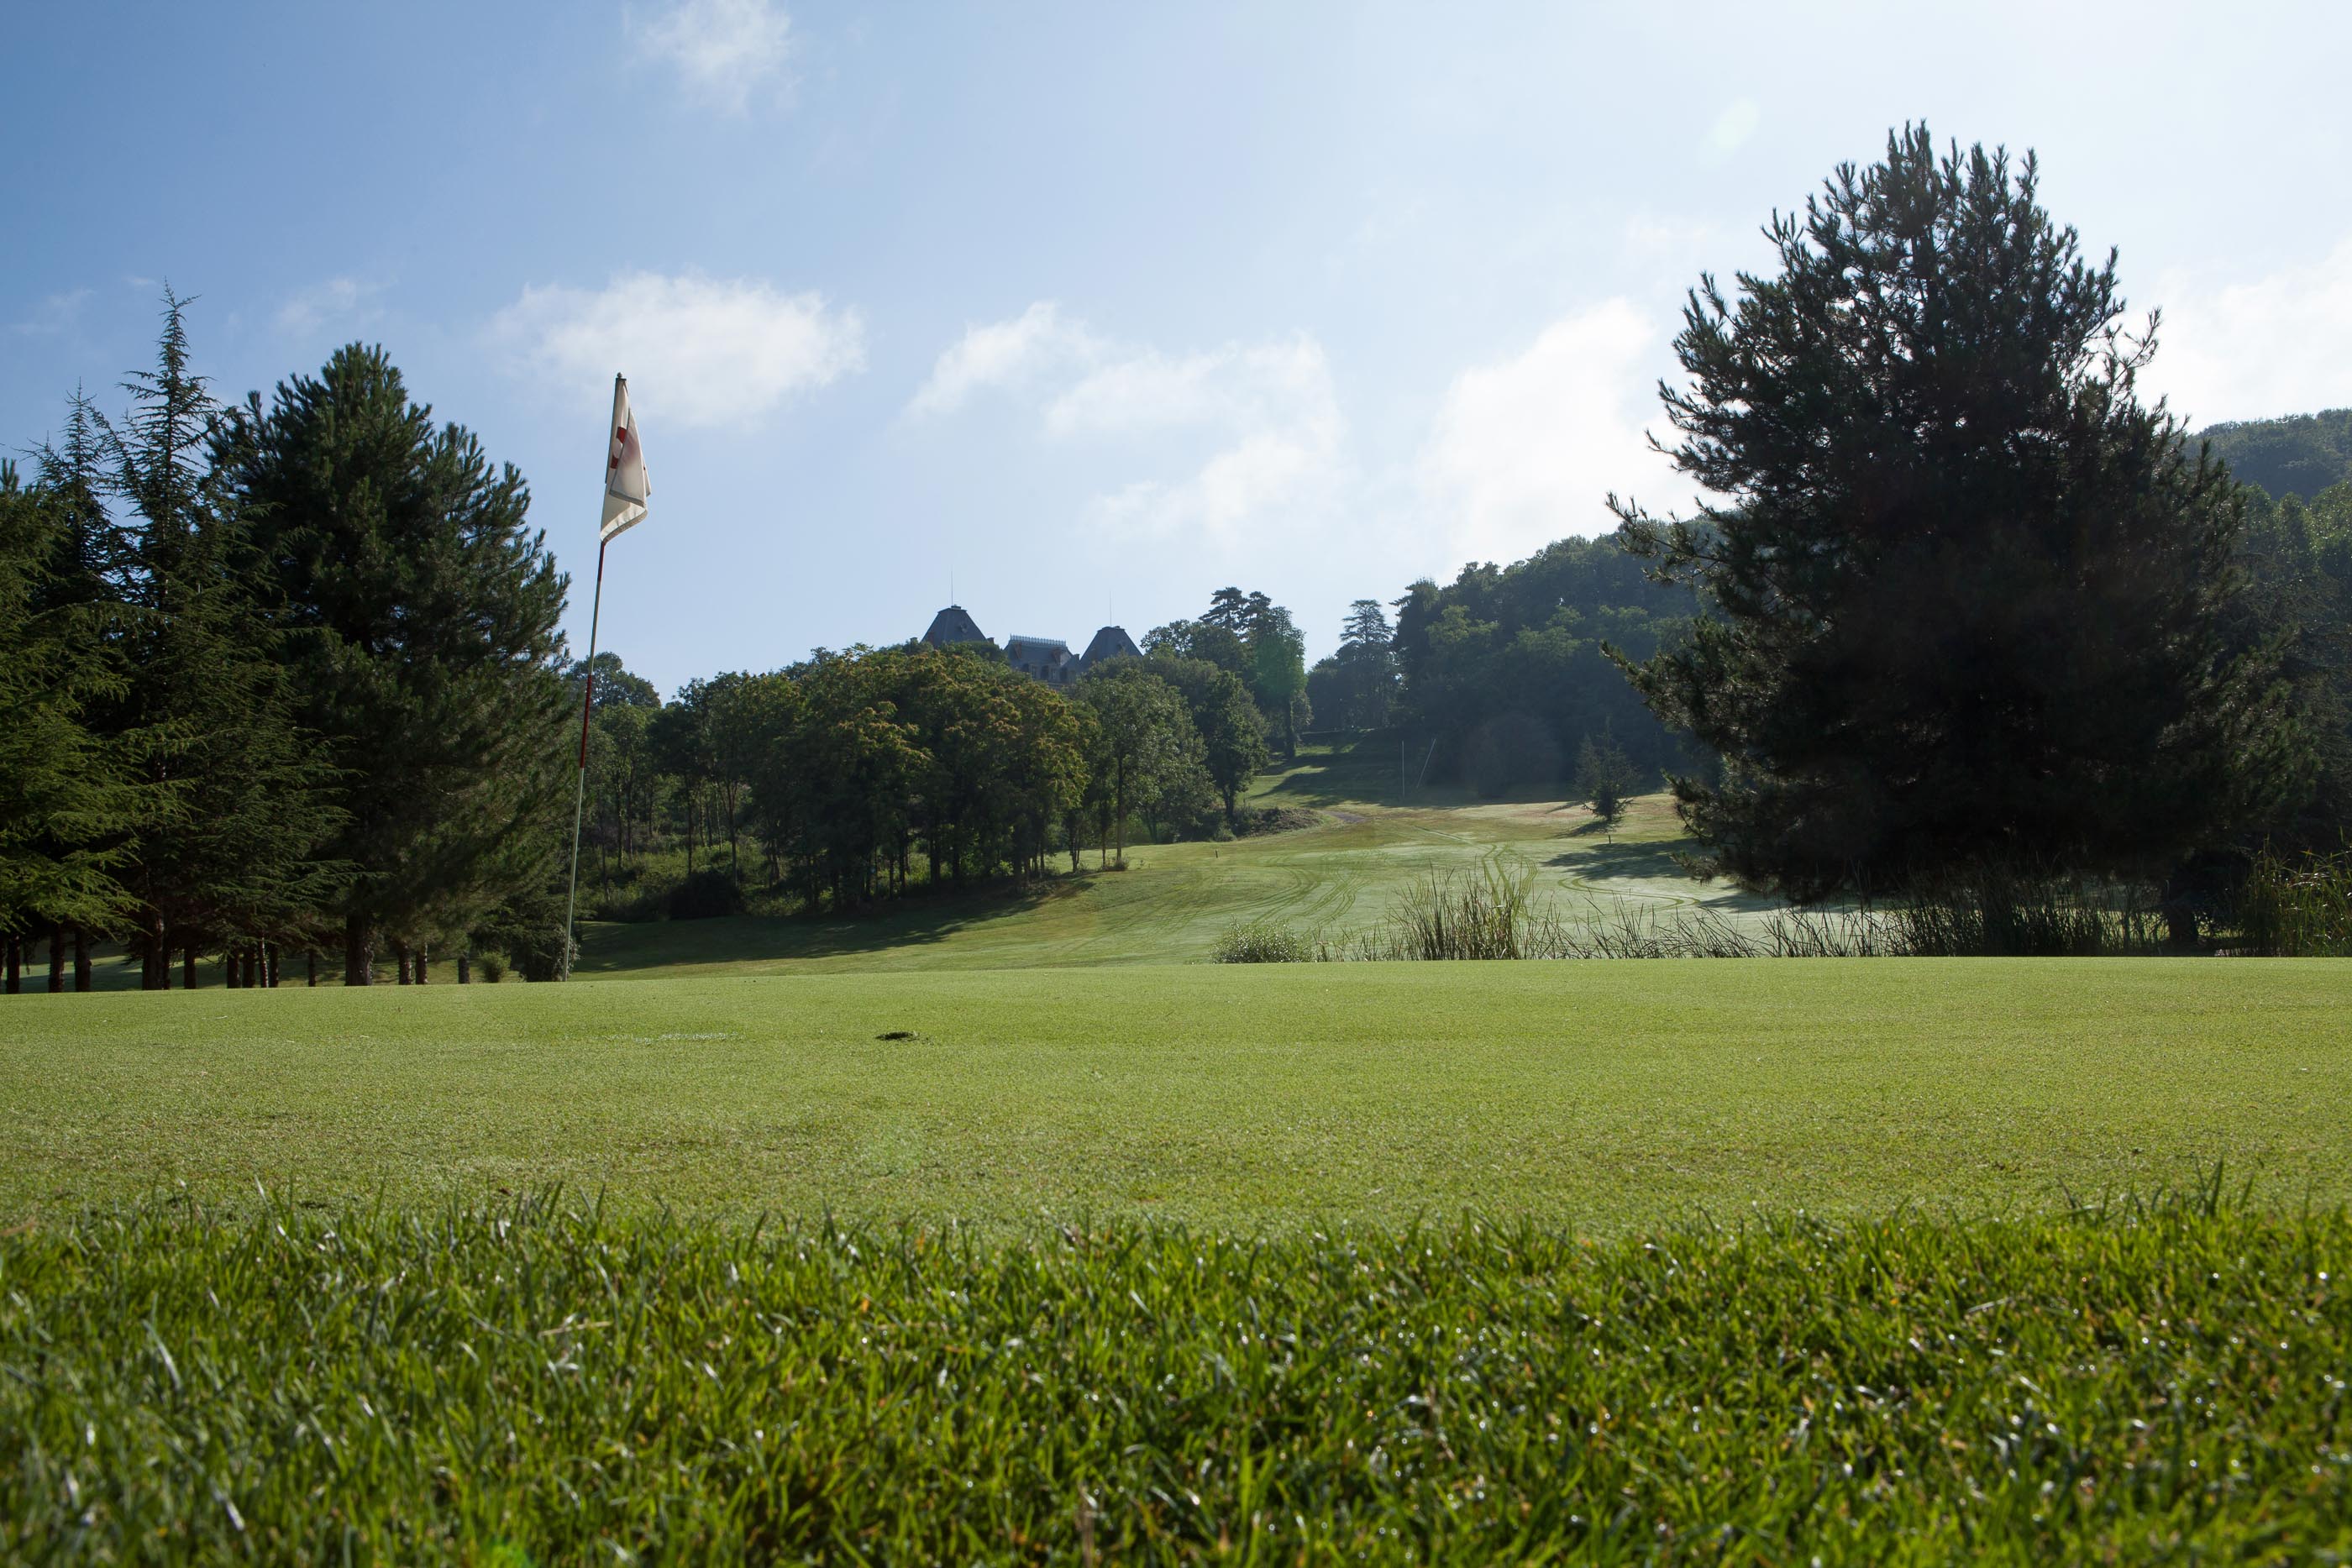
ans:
(1968, 591)
(208, 706)
(421, 618)
(70, 801)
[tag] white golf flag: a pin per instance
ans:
(626, 488)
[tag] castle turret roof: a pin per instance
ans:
(953, 624)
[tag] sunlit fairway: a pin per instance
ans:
(1174, 901)
(1587, 1094)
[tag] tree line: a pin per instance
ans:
(854, 777)
(285, 676)
(283, 680)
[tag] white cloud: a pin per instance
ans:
(703, 350)
(337, 299)
(1002, 354)
(1733, 127)
(1244, 386)
(725, 49)
(54, 314)
(1256, 428)
(1524, 450)
(1271, 408)
(2257, 349)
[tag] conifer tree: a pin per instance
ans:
(207, 708)
(1967, 589)
(421, 615)
(69, 805)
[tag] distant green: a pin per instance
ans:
(528, 1382)
(1595, 1095)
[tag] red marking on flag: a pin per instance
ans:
(613, 462)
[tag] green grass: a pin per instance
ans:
(1148, 1257)
(552, 1386)
(1598, 1095)
(1174, 902)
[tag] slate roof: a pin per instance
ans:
(953, 624)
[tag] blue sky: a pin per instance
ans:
(1091, 309)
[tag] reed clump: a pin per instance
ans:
(1495, 912)
(2298, 907)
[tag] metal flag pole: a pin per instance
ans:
(624, 483)
(579, 792)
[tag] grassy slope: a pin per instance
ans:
(1176, 900)
(1590, 1094)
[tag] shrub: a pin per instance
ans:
(493, 968)
(704, 895)
(1261, 943)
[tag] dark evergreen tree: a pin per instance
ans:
(2298, 562)
(1966, 589)
(1605, 776)
(70, 801)
(1354, 688)
(208, 708)
(421, 619)
(1503, 670)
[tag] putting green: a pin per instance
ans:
(1593, 1095)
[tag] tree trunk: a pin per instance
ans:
(358, 952)
(311, 966)
(81, 959)
(465, 968)
(400, 952)
(422, 956)
(188, 968)
(271, 953)
(15, 946)
(734, 860)
(56, 959)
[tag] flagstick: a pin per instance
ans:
(579, 794)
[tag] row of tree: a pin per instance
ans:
(285, 676)
(282, 678)
(855, 777)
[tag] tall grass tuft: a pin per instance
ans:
(2300, 908)
(550, 1383)
(1994, 913)
(1485, 914)
(1494, 913)
(1261, 942)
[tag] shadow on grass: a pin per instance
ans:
(1609, 861)
(611, 948)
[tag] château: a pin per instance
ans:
(1047, 659)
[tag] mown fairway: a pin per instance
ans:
(1174, 901)
(1597, 1094)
